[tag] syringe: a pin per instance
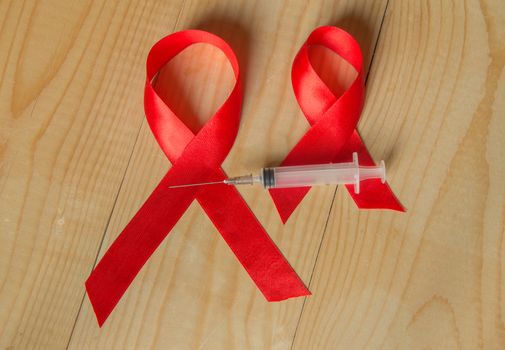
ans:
(308, 175)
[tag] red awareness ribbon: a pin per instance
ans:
(194, 158)
(333, 119)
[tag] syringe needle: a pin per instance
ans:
(197, 184)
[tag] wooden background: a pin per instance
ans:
(77, 160)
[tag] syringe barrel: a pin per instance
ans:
(310, 175)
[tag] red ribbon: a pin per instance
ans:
(194, 158)
(332, 136)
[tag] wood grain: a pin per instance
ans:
(433, 277)
(70, 112)
(77, 160)
(193, 292)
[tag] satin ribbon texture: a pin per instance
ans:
(333, 119)
(194, 158)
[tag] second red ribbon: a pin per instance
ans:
(332, 137)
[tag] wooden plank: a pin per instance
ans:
(70, 111)
(433, 277)
(193, 293)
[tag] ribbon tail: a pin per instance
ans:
(133, 247)
(315, 149)
(252, 246)
(287, 199)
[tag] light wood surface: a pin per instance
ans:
(77, 159)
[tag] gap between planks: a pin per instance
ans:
(335, 192)
(115, 199)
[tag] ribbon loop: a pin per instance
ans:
(194, 158)
(172, 134)
(332, 136)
